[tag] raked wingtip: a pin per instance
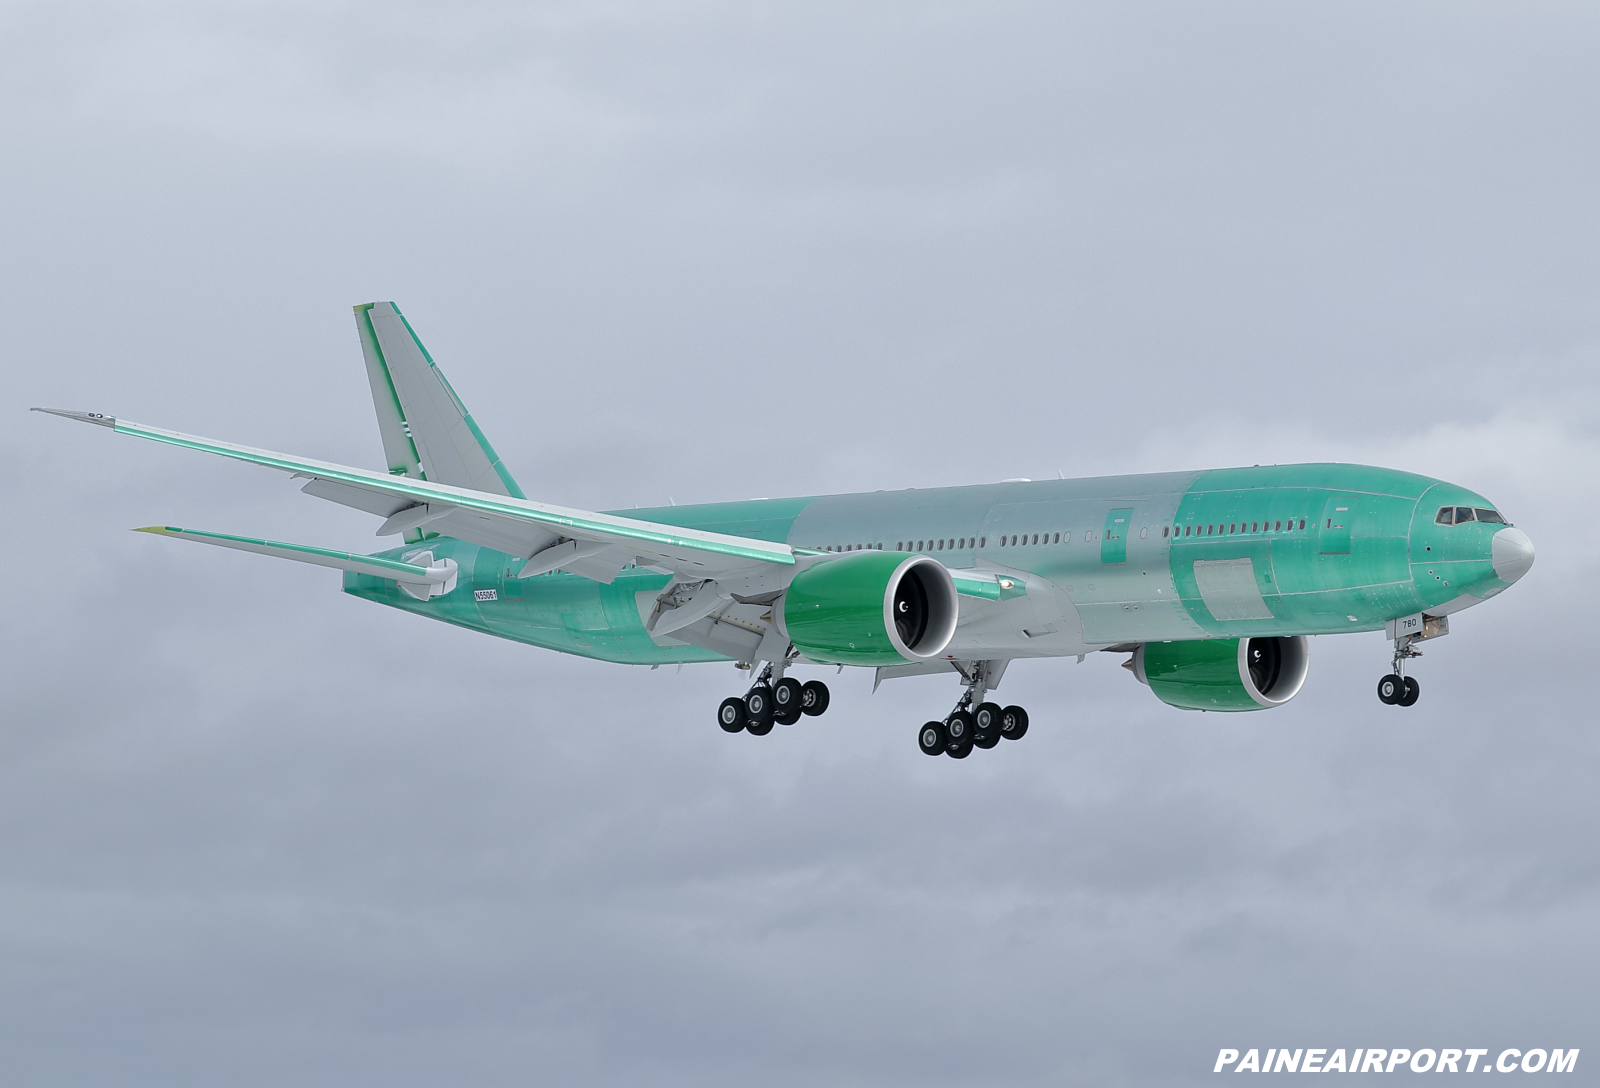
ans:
(87, 417)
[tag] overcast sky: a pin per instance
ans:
(255, 832)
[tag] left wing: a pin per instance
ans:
(592, 544)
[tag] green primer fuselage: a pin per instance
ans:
(1331, 548)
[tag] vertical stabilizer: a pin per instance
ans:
(427, 432)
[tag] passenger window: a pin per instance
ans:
(1164, 531)
(1142, 533)
(1464, 513)
(1446, 516)
(983, 542)
(1492, 516)
(1013, 540)
(1302, 523)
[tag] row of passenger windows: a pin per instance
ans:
(1458, 515)
(1219, 529)
(961, 543)
(1022, 540)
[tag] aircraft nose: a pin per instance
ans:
(1512, 554)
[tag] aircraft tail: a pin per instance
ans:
(427, 432)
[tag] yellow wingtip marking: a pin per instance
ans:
(161, 530)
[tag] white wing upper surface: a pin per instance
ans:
(514, 525)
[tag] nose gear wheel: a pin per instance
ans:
(1398, 689)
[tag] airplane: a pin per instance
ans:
(1210, 581)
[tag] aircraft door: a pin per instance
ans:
(1114, 544)
(1333, 530)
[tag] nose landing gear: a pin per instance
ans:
(1398, 689)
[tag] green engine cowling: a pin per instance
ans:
(871, 608)
(1229, 674)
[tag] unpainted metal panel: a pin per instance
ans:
(1228, 588)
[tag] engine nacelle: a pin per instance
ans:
(871, 608)
(1224, 673)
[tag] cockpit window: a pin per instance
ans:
(1456, 515)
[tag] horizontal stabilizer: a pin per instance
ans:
(423, 579)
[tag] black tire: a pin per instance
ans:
(980, 739)
(960, 729)
(1013, 723)
(814, 697)
(730, 715)
(1390, 689)
(960, 749)
(933, 739)
(987, 718)
(758, 706)
(759, 729)
(787, 695)
(1412, 694)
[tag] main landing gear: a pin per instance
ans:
(967, 726)
(1398, 689)
(769, 702)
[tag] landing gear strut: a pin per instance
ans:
(770, 701)
(973, 723)
(1398, 689)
